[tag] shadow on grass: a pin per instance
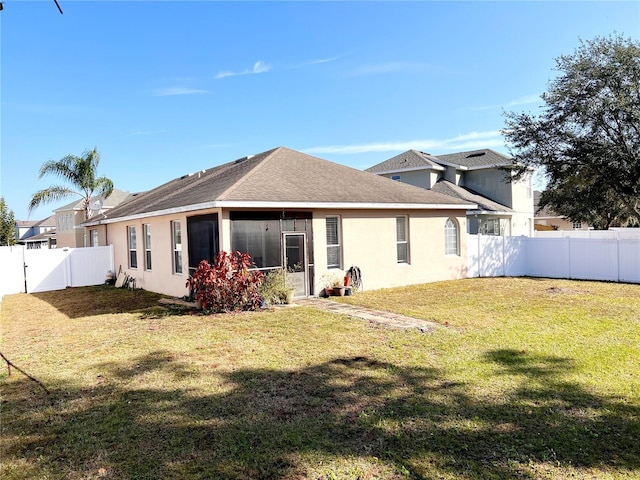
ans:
(261, 423)
(104, 299)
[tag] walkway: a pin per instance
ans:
(387, 319)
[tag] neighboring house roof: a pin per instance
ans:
(542, 213)
(116, 198)
(409, 160)
(278, 178)
(484, 204)
(41, 237)
(47, 222)
(475, 159)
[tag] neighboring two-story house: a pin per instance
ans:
(480, 176)
(69, 233)
(38, 233)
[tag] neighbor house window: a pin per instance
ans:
(490, 226)
(177, 247)
(147, 246)
(333, 242)
(577, 225)
(93, 240)
(133, 252)
(450, 237)
(402, 239)
(395, 177)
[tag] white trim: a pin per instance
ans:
(490, 212)
(411, 169)
(285, 205)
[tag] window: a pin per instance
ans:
(133, 252)
(450, 237)
(333, 242)
(395, 177)
(402, 239)
(490, 226)
(94, 238)
(577, 225)
(147, 246)
(177, 247)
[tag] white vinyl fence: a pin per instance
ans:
(43, 270)
(609, 259)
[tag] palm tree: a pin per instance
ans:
(80, 173)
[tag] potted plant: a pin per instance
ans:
(337, 287)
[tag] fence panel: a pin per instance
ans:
(609, 259)
(548, 257)
(515, 256)
(629, 260)
(46, 269)
(88, 266)
(594, 259)
(11, 270)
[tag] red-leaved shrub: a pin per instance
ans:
(228, 285)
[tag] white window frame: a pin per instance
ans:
(334, 246)
(94, 238)
(132, 246)
(404, 241)
(146, 239)
(451, 237)
(176, 247)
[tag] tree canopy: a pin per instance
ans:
(81, 175)
(7, 224)
(587, 137)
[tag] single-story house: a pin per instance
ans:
(288, 209)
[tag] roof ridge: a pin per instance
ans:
(243, 178)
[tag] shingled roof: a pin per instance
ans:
(409, 160)
(474, 159)
(278, 178)
(448, 188)
(116, 197)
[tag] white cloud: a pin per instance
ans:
(258, 67)
(323, 60)
(468, 141)
(524, 100)
(165, 92)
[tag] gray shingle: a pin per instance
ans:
(447, 188)
(477, 159)
(279, 175)
(410, 159)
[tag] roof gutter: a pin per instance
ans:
(284, 205)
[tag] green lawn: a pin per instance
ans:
(524, 378)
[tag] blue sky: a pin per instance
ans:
(167, 88)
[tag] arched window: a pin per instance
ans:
(451, 240)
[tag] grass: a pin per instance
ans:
(525, 378)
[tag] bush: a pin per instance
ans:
(274, 288)
(228, 285)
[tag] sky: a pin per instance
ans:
(167, 88)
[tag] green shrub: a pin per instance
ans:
(274, 289)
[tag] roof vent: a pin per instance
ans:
(476, 154)
(240, 160)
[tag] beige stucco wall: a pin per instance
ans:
(73, 236)
(160, 278)
(369, 242)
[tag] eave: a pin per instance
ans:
(284, 206)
